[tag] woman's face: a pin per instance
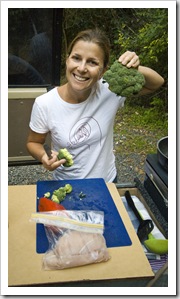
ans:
(84, 66)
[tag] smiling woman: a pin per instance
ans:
(88, 56)
(79, 115)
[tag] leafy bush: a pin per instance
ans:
(149, 39)
(156, 113)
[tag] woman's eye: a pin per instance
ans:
(76, 58)
(92, 62)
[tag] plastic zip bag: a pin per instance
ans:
(75, 238)
(87, 221)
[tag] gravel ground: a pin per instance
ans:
(128, 167)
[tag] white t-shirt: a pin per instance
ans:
(85, 129)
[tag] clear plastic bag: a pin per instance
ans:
(75, 238)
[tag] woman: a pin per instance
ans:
(79, 115)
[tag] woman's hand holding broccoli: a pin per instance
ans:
(63, 157)
(129, 59)
(53, 162)
(152, 79)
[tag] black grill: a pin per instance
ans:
(156, 183)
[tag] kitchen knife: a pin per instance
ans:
(48, 150)
(145, 226)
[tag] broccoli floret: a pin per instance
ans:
(47, 194)
(124, 81)
(55, 198)
(68, 188)
(64, 154)
(60, 193)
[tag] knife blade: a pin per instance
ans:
(48, 150)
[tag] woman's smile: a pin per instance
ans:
(79, 78)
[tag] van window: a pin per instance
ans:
(30, 47)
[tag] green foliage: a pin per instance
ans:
(148, 37)
(141, 116)
(137, 129)
(156, 113)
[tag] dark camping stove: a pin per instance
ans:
(156, 183)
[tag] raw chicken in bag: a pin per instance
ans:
(75, 238)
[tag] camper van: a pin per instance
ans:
(34, 65)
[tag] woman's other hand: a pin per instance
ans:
(35, 147)
(53, 162)
(130, 59)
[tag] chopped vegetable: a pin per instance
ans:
(46, 205)
(59, 194)
(64, 154)
(55, 198)
(68, 188)
(124, 81)
(47, 194)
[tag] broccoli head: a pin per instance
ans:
(124, 81)
(64, 154)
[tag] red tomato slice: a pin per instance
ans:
(46, 205)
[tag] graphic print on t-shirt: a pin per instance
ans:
(85, 129)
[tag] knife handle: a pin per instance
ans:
(48, 150)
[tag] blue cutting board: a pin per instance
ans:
(97, 198)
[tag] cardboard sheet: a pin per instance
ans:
(25, 265)
(98, 198)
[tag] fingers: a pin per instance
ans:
(52, 163)
(56, 164)
(129, 59)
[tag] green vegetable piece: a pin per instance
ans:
(68, 188)
(64, 154)
(47, 194)
(55, 198)
(60, 193)
(124, 81)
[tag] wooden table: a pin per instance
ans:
(128, 265)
